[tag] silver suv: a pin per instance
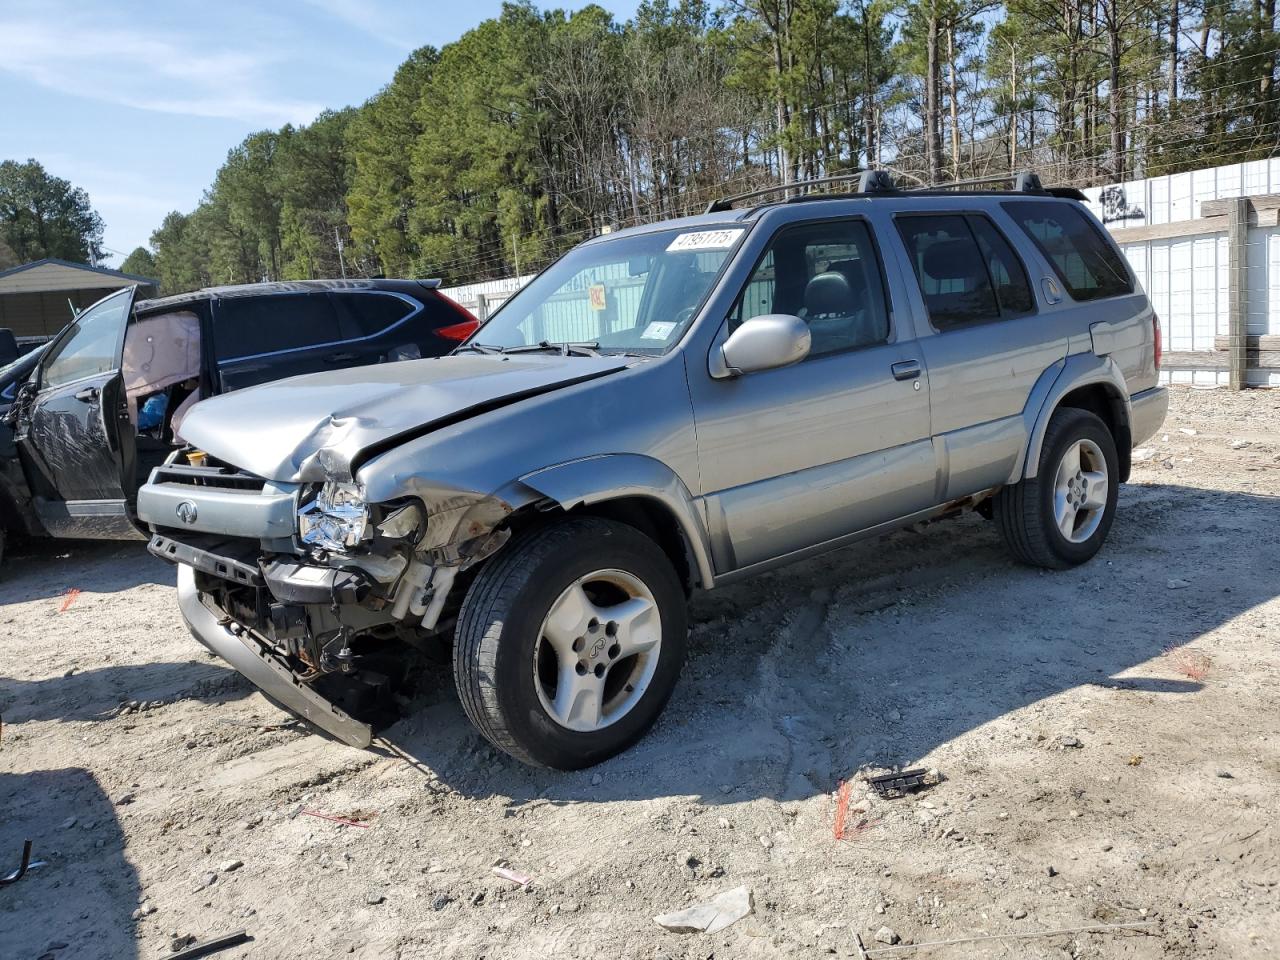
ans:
(670, 407)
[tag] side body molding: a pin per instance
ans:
(618, 475)
(1077, 370)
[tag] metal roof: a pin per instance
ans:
(12, 281)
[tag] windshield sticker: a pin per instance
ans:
(705, 240)
(657, 331)
(595, 296)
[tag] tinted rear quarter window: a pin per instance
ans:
(369, 314)
(249, 326)
(1088, 266)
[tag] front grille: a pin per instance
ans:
(217, 477)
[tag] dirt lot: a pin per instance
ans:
(1092, 776)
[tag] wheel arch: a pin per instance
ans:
(1084, 382)
(639, 491)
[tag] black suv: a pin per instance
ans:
(104, 403)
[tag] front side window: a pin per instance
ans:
(1088, 266)
(827, 274)
(93, 346)
(251, 326)
(632, 294)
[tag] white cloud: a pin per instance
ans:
(370, 19)
(169, 74)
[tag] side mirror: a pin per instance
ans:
(763, 343)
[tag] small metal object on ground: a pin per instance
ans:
(212, 945)
(891, 785)
(22, 867)
(345, 821)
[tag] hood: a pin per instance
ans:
(309, 427)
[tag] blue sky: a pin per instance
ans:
(138, 103)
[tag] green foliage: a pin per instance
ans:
(140, 263)
(539, 128)
(45, 216)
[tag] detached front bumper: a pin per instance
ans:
(256, 662)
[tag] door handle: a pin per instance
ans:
(906, 370)
(88, 395)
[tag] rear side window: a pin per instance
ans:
(1008, 276)
(1088, 266)
(250, 326)
(948, 265)
(368, 314)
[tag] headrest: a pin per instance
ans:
(829, 293)
(952, 260)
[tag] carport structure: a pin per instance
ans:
(36, 299)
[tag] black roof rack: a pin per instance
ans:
(881, 182)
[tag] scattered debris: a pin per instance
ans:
(1070, 743)
(1187, 431)
(1135, 760)
(25, 863)
(228, 866)
(1225, 775)
(351, 820)
(68, 598)
(1177, 584)
(1063, 931)
(1189, 662)
(189, 950)
(501, 870)
(710, 917)
(892, 785)
(1143, 454)
(1239, 444)
(596, 780)
(373, 899)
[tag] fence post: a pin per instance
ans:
(482, 307)
(1238, 291)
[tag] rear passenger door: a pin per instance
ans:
(796, 457)
(987, 345)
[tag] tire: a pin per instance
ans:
(510, 658)
(1029, 513)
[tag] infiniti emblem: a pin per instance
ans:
(186, 511)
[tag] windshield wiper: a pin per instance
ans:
(479, 348)
(584, 349)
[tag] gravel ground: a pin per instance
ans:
(1094, 771)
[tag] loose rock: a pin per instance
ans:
(887, 935)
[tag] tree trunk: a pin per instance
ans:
(932, 108)
(953, 96)
(1116, 97)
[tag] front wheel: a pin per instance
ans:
(1060, 517)
(569, 643)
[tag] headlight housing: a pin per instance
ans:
(337, 519)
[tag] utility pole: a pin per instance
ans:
(342, 264)
(515, 252)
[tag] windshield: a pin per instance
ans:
(633, 294)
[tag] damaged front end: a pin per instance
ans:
(329, 617)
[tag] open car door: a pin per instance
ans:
(73, 428)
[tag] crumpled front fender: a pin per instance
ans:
(616, 476)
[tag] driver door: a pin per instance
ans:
(74, 434)
(795, 458)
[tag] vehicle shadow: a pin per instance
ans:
(39, 568)
(882, 652)
(83, 894)
(101, 693)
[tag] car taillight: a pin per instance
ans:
(459, 331)
(1155, 324)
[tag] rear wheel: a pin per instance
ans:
(569, 643)
(1060, 517)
